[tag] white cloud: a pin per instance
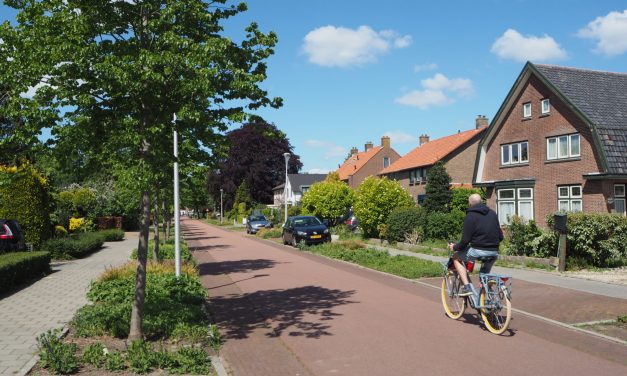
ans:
(397, 137)
(425, 67)
(437, 91)
(32, 90)
(515, 46)
(318, 171)
(610, 33)
(439, 82)
(332, 46)
(331, 150)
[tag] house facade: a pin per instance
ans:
(297, 185)
(457, 151)
(359, 165)
(557, 143)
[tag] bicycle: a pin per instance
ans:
(494, 303)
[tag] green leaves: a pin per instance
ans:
(376, 198)
(328, 199)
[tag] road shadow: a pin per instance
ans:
(206, 248)
(187, 237)
(303, 311)
(240, 266)
(476, 320)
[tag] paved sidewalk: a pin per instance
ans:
(50, 303)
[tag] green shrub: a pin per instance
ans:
(445, 226)
(169, 301)
(403, 221)
(189, 360)
(328, 199)
(27, 191)
(115, 362)
(459, 200)
(55, 355)
(95, 355)
(18, 267)
(140, 355)
(521, 235)
(112, 235)
(75, 246)
(598, 240)
(544, 245)
(376, 199)
(166, 251)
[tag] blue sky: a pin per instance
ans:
(352, 71)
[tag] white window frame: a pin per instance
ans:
(620, 197)
(569, 198)
(510, 153)
(527, 110)
(569, 147)
(545, 106)
(517, 200)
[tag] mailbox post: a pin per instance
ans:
(561, 227)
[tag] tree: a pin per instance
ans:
(459, 197)
(255, 156)
(376, 198)
(109, 75)
(438, 189)
(328, 199)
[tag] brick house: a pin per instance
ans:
(558, 142)
(457, 151)
(359, 165)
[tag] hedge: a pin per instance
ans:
(166, 252)
(596, 239)
(25, 198)
(403, 221)
(71, 247)
(18, 267)
(112, 235)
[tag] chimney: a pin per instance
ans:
(354, 151)
(481, 122)
(368, 146)
(385, 142)
(423, 139)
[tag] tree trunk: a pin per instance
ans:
(155, 249)
(169, 220)
(137, 313)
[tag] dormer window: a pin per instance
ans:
(545, 106)
(527, 110)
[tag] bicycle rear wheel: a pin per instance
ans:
(497, 311)
(454, 305)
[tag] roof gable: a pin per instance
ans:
(432, 151)
(598, 98)
(356, 161)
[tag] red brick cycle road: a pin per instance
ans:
(285, 312)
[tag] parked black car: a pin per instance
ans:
(256, 222)
(11, 236)
(305, 228)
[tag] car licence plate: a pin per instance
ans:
(316, 236)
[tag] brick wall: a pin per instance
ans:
(373, 166)
(548, 175)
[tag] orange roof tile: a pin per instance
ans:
(431, 152)
(356, 161)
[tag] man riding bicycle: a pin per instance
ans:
(480, 239)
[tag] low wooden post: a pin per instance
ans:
(561, 266)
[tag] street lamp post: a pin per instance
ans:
(287, 158)
(221, 213)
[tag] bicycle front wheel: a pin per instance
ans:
(496, 310)
(454, 305)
